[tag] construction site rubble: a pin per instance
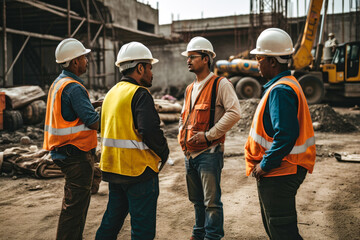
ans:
(324, 117)
(22, 148)
(327, 120)
(169, 110)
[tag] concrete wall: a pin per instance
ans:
(335, 25)
(110, 56)
(171, 71)
(210, 24)
(128, 12)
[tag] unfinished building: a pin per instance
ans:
(31, 30)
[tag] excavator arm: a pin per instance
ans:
(303, 58)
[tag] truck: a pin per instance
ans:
(338, 79)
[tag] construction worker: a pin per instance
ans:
(132, 147)
(70, 134)
(280, 149)
(210, 109)
(329, 48)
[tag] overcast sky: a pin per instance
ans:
(192, 9)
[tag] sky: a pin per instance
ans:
(191, 9)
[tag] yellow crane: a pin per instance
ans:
(339, 78)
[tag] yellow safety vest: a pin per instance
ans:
(123, 151)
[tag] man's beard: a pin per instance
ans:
(144, 83)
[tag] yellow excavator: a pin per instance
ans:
(339, 78)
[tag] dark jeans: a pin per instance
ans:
(78, 171)
(203, 175)
(278, 207)
(138, 199)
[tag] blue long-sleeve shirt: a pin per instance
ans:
(75, 103)
(280, 122)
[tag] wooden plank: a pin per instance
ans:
(32, 34)
(354, 158)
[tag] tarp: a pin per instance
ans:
(18, 97)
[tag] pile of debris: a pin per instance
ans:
(247, 111)
(27, 135)
(324, 118)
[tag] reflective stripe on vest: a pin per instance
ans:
(59, 132)
(123, 150)
(121, 143)
(62, 131)
(267, 145)
(66, 131)
(303, 152)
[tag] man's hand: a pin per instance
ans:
(258, 172)
(162, 164)
(198, 138)
(97, 103)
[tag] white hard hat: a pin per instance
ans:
(200, 44)
(69, 49)
(273, 42)
(133, 53)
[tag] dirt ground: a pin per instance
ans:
(327, 202)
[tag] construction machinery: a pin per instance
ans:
(339, 78)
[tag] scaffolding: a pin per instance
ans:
(265, 13)
(36, 27)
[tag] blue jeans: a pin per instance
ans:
(140, 200)
(203, 175)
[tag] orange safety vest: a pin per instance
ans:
(197, 118)
(303, 152)
(59, 132)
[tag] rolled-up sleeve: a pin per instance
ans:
(81, 104)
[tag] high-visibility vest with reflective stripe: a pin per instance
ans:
(59, 132)
(122, 149)
(197, 118)
(303, 152)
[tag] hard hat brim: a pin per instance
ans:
(152, 61)
(213, 54)
(69, 59)
(255, 51)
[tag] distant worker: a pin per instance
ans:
(132, 147)
(210, 109)
(329, 48)
(280, 149)
(70, 134)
